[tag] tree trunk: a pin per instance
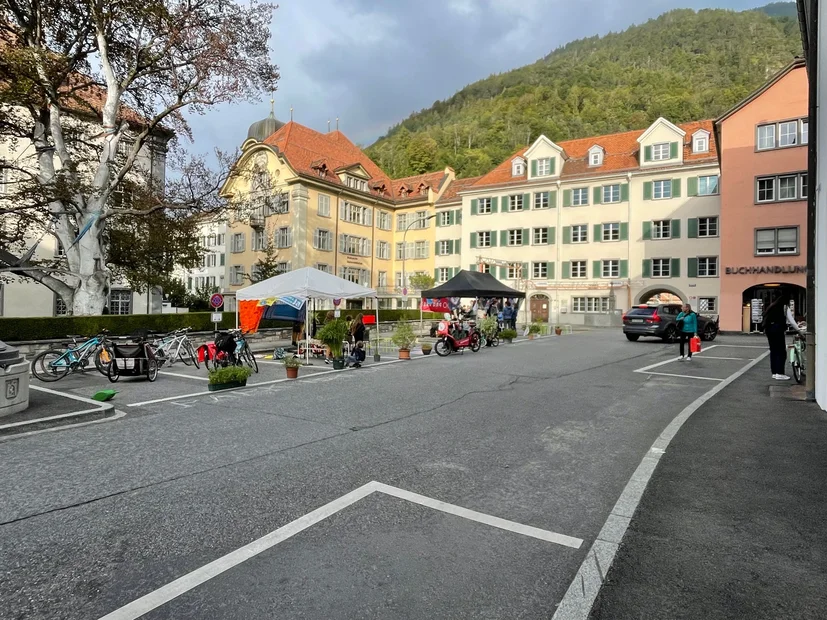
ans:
(92, 276)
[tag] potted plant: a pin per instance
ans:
(403, 337)
(292, 365)
(508, 335)
(533, 330)
(488, 327)
(426, 348)
(558, 330)
(228, 377)
(333, 335)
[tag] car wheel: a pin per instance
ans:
(709, 333)
(632, 337)
(671, 334)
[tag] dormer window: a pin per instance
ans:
(596, 156)
(517, 168)
(700, 142)
(423, 189)
(660, 152)
(544, 167)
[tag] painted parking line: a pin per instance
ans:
(164, 594)
(584, 588)
(175, 374)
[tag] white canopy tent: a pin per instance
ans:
(306, 283)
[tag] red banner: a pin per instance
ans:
(435, 305)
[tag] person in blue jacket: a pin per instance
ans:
(687, 322)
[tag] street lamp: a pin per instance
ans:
(405, 250)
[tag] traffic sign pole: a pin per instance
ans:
(216, 301)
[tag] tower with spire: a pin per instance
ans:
(263, 129)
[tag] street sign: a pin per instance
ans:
(216, 317)
(217, 300)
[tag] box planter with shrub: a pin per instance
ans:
(508, 335)
(333, 335)
(426, 348)
(228, 377)
(404, 338)
(533, 330)
(292, 365)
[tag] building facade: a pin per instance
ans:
(763, 151)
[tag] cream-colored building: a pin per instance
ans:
(590, 227)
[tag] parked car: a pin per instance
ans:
(661, 322)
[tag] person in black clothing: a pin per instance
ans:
(776, 318)
(357, 329)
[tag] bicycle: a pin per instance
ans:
(175, 346)
(54, 364)
(797, 358)
(241, 355)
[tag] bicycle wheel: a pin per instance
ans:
(113, 373)
(103, 357)
(51, 365)
(495, 341)
(798, 370)
(151, 370)
(475, 343)
(250, 359)
(192, 354)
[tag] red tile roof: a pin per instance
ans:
(621, 155)
(434, 180)
(451, 194)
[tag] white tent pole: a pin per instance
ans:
(307, 332)
(236, 312)
(376, 306)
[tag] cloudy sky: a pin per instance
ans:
(373, 62)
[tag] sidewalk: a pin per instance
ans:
(733, 523)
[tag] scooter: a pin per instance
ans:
(453, 338)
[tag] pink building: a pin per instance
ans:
(762, 145)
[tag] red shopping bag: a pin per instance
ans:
(695, 344)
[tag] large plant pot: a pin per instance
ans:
(531, 336)
(214, 387)
(292, 373)
(509, 340)
(377, 357)
(404, 354)
(338, 363)
(425, 352)
(558, 331)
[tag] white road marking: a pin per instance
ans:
(185, 583)
(175, 374)
(712, 357)
(669, 374)
(82, 399)
(583, 590)
(118, 415)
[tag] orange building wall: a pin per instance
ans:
(740, 216)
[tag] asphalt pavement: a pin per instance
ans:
(511, 454)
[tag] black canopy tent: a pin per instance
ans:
(472, 284)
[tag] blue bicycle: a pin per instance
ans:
(54, 364)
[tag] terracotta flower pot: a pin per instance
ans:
(404, 354)
(558, 331)
(292, 373)
(531, 336)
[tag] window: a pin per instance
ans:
(804, 185)
(580, 196)
(539, 271)
(766, 137)
(805, 130)
(324, 205)
(540, 236)
(210, 241)
(444, 248)
(236, 274)
(355, 183)
(4, 178)
(788, 187)
(60, 251)
(356, 246)
(517, 168)
(579, 233)
(484, 206)
(782, 188)
(383, 250)
(591, 304)
(707, 226)
(515, 202)
(578, 269)
(766, 189)
(515, 237)
(788, 133)
(356, 214)
(383, 220)
(442, 274)
(660, 152)
(661, 267)
(596, 157)
(484, 239)
(487, 269)
(356, 275)
(284, 238)
(773, 241)
(578, 304)
(514, 272)
(707, 304)
(445, 218)
(421, 249)
(219, 239)
(324, 267)
(212, 260)
(259, 241)
(404, 251)
(610, 268)
(541, 200)
(543, 167)
(120, 302)
(708, 267)
(412, 221)
(60, 307)
(611, 193)
(611, 232)
(238, 243)
(662, 189)
(708, 186)
(323, 240)
(383, 279)
(700, 143)
(662, 229)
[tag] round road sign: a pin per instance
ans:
(217, 300)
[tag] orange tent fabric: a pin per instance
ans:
(249, 315)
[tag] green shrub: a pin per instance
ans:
(488, 326)
(507, 334)
(403, 336)
(291, 361)
(534, 328)
(333, 335)
(230, 374)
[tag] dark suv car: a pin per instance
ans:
(660, 322)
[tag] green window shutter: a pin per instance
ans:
(222, 259)
(675, 268)
(566, 234)
(552, 234)
(597, 270)
(624, 231)
(624, 192)
(597, 194)
(566, 197)
(692, 186)
(647, 153)
(624, 269)
(673, 150)
(436, 248)
(503, 273)
(458, 219)
(526, 274)
(647, 190)
(472, 267)
(493, 238)
(503, 238)
(473, 240)
(597, 236)
(526, 237)
(692, 267)
(436, 274)
(550, 271)
(533, 167)
(526, 201)
(566, 270)
(647, 268)
(647, 231)
(455, 272)
(552, 164)
(676, 188)
(474, 204)
(494, 202)
(552, 198)
(457, 246)
(675, 225)
(438, 221)
(692, 227)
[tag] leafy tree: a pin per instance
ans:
(421, 281)
(100, 90)
(421, 152)
(267, 265)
